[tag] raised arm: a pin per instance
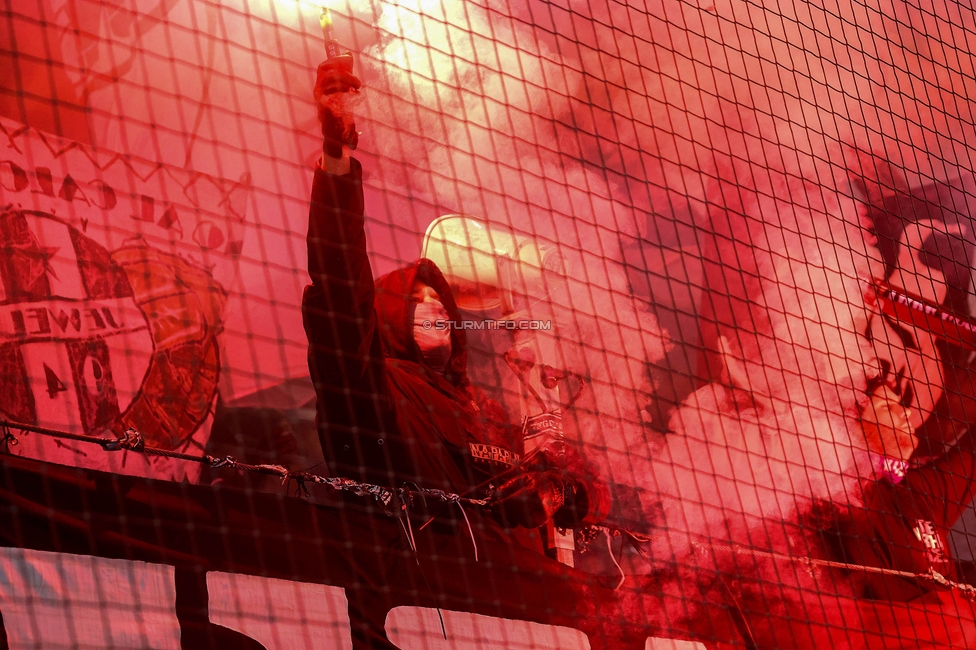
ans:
(338, 305)
(344, 357)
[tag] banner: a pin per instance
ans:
(112, 301)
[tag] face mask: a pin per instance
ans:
(893, 469)
(434, 343)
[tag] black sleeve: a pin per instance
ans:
(944, 485)
(947, 484)
(905, 526)
(345, 357)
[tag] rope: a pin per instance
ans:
(967, 590)
(133, 441)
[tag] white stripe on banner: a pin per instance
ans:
(656, 643)
(280, 614)
(419, 628)
(56, 600)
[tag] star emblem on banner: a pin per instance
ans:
(31, 261)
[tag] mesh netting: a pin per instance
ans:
(577, 325)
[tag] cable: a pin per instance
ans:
(133, 441)
(969, 591)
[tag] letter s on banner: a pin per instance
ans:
(281, 614)
(419, 628)
(58, 600)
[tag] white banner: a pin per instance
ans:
(60, 600)
(112, 292)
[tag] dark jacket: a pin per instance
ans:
(905, 526)
(383, 415)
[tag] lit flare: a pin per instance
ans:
(331, 44)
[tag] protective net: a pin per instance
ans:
(433, 324)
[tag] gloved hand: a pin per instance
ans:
(529, 499)
(555, 483)
(335, 87)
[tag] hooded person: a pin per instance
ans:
(922, 405)
(395, 405)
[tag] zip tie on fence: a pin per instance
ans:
(381, 494)
(133, 440)
(623, 576)
(967, 590)
(474, 543)
(301, 489)
(7, 439)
